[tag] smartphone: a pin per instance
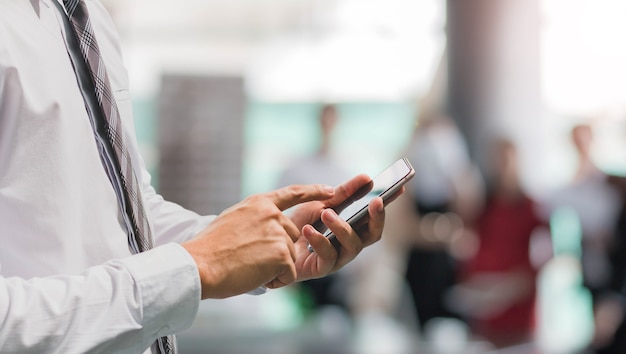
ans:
(384, 185)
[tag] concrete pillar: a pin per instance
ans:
(494, 76)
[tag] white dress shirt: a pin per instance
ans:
(68, 282)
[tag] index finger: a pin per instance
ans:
(285, 198)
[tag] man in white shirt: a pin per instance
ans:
(68, 281)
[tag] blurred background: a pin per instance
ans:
(508, 239)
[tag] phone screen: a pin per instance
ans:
(383, 185)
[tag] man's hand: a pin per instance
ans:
(326, 258)
(252, 243)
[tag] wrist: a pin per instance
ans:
(201, 267)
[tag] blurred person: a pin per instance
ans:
(610, 308)
(597, 203)
(496, 290)
(92, 259)
(320, 167)
(380, 299)
(444, 191)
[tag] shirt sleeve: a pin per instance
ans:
(121, 306)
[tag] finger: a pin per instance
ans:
(350, 243)
(376, 222)
(320, 244)
(291, 228)
(287, 277)
(292, 249)
(395, 195)
(289, 196)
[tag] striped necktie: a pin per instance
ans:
(106, 121)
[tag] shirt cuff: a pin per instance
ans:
(169, 282)
(258, 291)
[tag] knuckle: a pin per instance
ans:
(269, 210)
(297, 191)
(355, 248)
(275, 232)
(253, 199)
(283, 253)
(345, 228)
(343, 190)
(266, 209)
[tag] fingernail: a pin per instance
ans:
(308, 230)
(329, 189)
(331, 214)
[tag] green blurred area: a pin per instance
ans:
(368, 137)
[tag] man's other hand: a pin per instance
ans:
(252, 243)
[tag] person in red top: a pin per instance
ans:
(497, 285)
